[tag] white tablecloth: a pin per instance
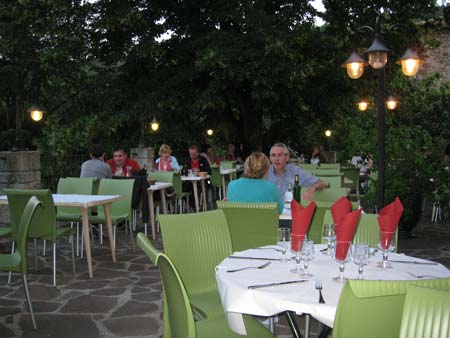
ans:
(302, 297)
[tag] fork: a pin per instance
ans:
(320, 287)
(421, 276)
(265, 265)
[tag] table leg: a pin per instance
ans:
(152, 212)
(87, 240)
(197, 206)
(204, 195)
(224, 186)
(163, 200)
(290, 316)
(112, 245)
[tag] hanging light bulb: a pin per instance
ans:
(154, 125)
(362, 104)
(354, 65)
(391, 103)
(410, 62)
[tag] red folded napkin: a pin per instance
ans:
(388, 220)
(345, 229)
(396, 208)
(340, 208)
(301, 220)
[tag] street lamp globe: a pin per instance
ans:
(377, 54)
(391, 103)
(410, 62)
(36, 113)
(328, 133)
(362, 105)
(209, 132)
(355, 66)
(154, 125)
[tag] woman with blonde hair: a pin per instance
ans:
(166, 162)
(252, 187)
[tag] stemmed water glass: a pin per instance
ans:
(385, 243)
(329, 235)
(361, 257)
(284, 240)
(307, 255)
(296, 247)
(342, 255)
(288, 195)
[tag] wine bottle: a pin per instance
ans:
(297, 189)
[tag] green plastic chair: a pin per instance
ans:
(308, 167)
(43, 225)
(367, 231)
(17, 261)
(228, 164)
(323, 166)
(332, 181)
(426, 313)
(73, 185)
(216, 180)
(179, 193)
(327, 172)
(353, 175)
(120, 210)
(197, 243)
(326, 195)
(182, 322)
(373, 309)
(162, 176)
(251, 224)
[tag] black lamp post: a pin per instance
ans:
(377, 59)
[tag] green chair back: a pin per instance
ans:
(251, 224)
(43, 224)
(308, 167)
(327, 172)
(426, 313)
(228, 164)
(327, 194)
(121, 209)
(322, 166)
(373, 309)
(73, 185)
(162, 176)
(17, 261)
(196, 244)
(216, 179)
(353, 175)
(332, 181)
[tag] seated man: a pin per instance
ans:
(121, 164)
(196, 161)
(96, 166)
(281, 173)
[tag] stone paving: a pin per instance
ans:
(124, 299)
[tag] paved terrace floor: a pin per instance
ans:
(124, 299)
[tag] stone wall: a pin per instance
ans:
(18, 170)
(437, 60)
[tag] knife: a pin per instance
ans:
(413, 262)
(276, 284)
(258, 258)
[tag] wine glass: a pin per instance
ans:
(385, 242)
(307, 255)
(329, 235)
(342, 255)
(288, 195)
(361, 257)
(284, 238)
(296, 247)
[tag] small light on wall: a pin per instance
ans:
(36, 113)
(391, 103)
(154, 125)
(209, 132)
(328, 133)
(362, 105)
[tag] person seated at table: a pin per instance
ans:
(282, 174)
(318, 156)
(121, 164)
(252, 187)
(166, 162)
(96, 166)
(197, 162)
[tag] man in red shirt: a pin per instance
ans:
(121, 164)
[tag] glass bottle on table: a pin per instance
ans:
(296, 191)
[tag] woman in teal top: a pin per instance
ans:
(251, 187)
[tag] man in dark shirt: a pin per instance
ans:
(196, 161)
